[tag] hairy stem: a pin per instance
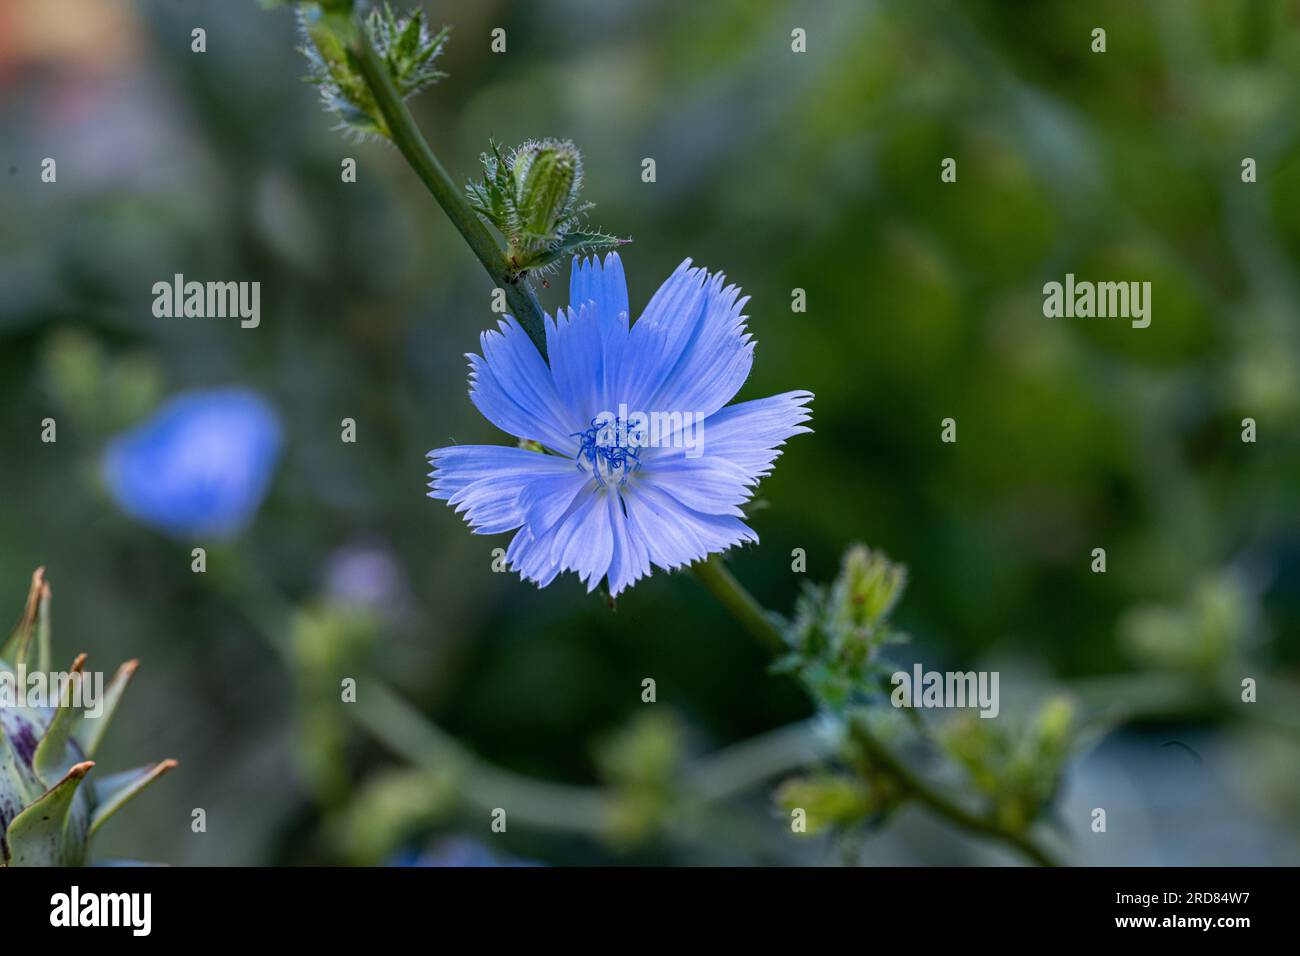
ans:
(760, 623)
(566, 807)
(912, 785)
(520, 296)
(484, 787)
(408, 734)
(1157, 695)
(772, 754)
(731, 594)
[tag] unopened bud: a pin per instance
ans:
(827, 799)
(547, 179)
(868, 587)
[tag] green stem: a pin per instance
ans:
(541, 804)
(1129, 698)
(723, 585)
(769, 755)
(406, 136)
(484, 787)
(912, 785)
(731, 594)
(565, 807)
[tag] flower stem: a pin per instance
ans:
(772, 754)
(567, 807)
(912, 785)
(406, 136)
(760, 623)
(731, 594)
(538, 803)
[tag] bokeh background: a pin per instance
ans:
(817, 171)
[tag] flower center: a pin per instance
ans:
(610, 450)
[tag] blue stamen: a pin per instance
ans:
(609, 459)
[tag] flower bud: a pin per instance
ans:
(826, 799)
(1055, 723)
(548, 178)
(868, 587)
(49, 807)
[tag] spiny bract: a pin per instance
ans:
(47, 815)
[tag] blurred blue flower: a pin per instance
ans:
(457, 852)
(200, 466)
(645, 464)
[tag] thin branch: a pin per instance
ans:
(762, 625)
(731, 594)
(881, 757)
(566, 807)
(406, 136)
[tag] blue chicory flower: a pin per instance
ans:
(641, 463)
(200, 466)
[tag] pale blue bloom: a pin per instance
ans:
(200, 466)
(601, 504)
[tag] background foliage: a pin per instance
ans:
(818, 171)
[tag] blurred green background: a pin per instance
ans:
(817, 171)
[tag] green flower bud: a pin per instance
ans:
(827, 800)
(1055, 723)
(643, 754)
(639, 762)
(1198, 637)
(329, 643)
(977, 747)
(549, 178)
(864, 594)
(531, 197)
(50, 803)
(391, 809)
(405, 46)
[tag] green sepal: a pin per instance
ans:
(575, 244)
(532, 197)
(51, 831)
(90, 731)
(115, 791)
(53, 757)
(35, 619)
(405, 48)
(21, 781)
